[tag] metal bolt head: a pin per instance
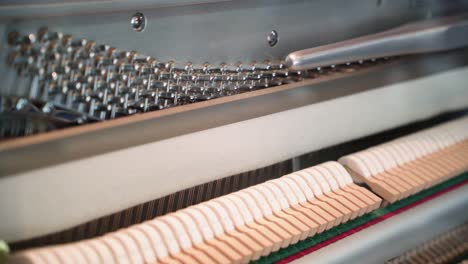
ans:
(21, 104)
(138, 22)
(273, 38)
(48, 108)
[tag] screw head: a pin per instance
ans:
(273, 38)
(138, 22)
(21, 104)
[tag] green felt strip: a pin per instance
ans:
(312, 241)
(459, 259)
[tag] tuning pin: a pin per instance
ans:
(239, 67)
(67, 40)
(98, 61)
(266, 75)
(228, 68)
(132, 55)
(125, 67)
(52, 56)
(111, 52)
(159, 85)
(52, 46)
(29, 39)
(169, 65)
(266, 65)
(222, 67)
(141, 64)
(254, 76)
(103, 110)
(123, 54)
(206, 67)
(48, 87)
(152, 62)
(251, 67)
(141, 59)
(89, 46)
(43, 35)
(14, 38)
(156, 72)
(261, 67)
(101, 48)
(79, 43)
(53, 76)
(60, 70)
(281, 65)
(188, 67)
(26, 42)
(280, 74)
(203, 78)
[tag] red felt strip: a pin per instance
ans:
(368, 224)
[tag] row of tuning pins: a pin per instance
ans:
(104, 82)
(69, 71)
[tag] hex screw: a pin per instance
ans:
(138, 22)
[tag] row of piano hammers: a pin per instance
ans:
(253, 222)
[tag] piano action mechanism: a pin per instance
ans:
(234, 131)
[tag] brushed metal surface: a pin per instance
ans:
(222, 31)
(419, 37)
